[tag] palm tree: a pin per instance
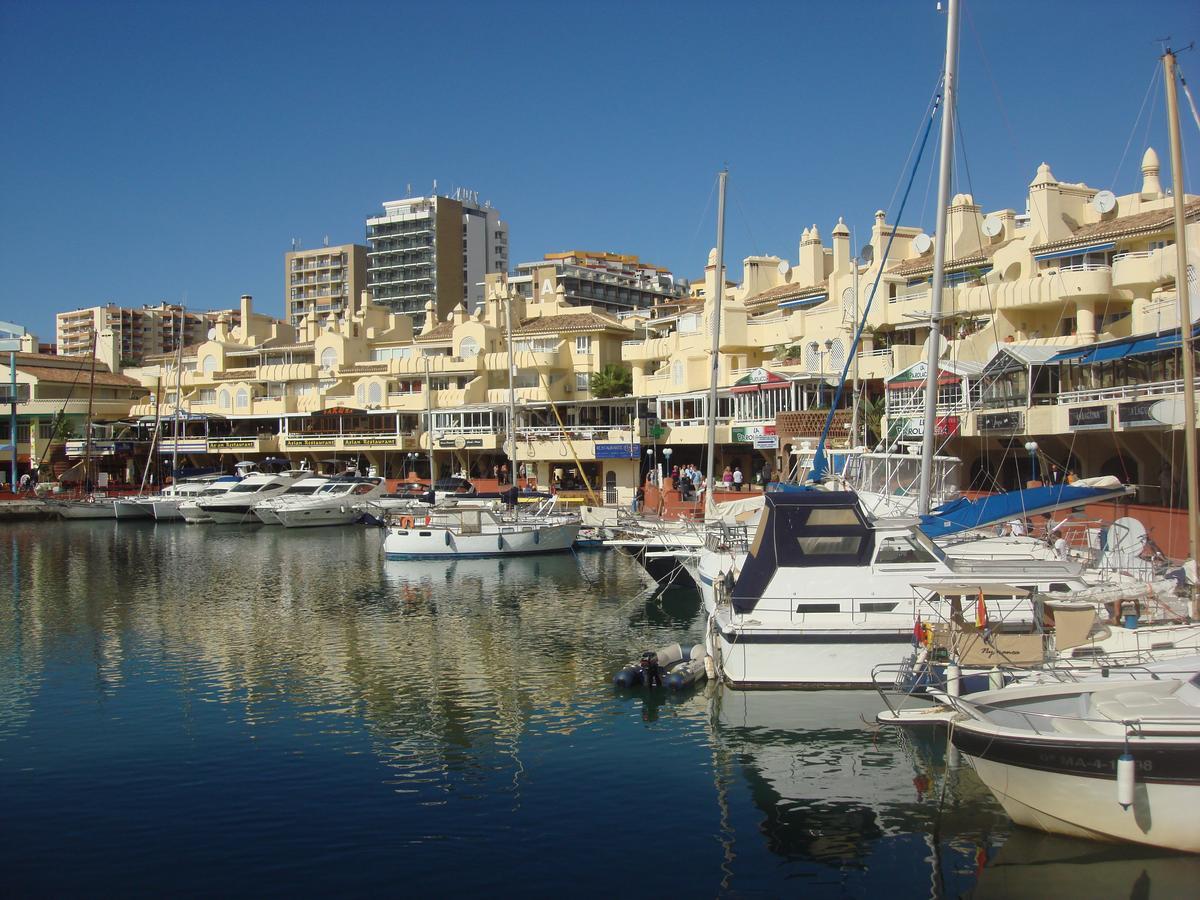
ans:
(614, 380)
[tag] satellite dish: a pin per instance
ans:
(992, 226)
(941, 344)
(867, 254)
(1105, 202)
(922, 242)
(212, 334)
(784, 267)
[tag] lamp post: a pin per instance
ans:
(821, 354)
(1031, 447)
(650, 454)
(667, 451)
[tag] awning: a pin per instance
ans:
(1130, 346)
(1076, 251)
(803, 302)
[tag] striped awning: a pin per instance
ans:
(803, 302)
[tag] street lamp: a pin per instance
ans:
(1031, 448)
(650, 454)
(821, 364)
(667, 451)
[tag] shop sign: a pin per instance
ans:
(745, 434)
(1089, 418)
(1138, 413)
(766, 442)
(310, 442)
(1005, 422)
(617, 451)
(370, 442)
(943, 427)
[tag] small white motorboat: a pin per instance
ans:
(1115, 761)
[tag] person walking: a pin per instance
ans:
(639, 499)
(738, 478)
(727, 479)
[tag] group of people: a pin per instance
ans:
(689, 481)
(733, 478)
(500, 473)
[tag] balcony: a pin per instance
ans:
(1086, 281)
(1125, 392)
(1143, 269)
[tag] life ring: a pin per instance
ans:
(406, 522)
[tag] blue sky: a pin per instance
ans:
(156, 151)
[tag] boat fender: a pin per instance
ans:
(953, 680)
(499, 542)
(995, 679)
(406, 522)
(1125, 779)
(447, 538)
(537, 537)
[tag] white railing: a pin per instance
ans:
(1134, 254)
(440, 431)
(879, 351)
(1085, 267)
(1125, 392)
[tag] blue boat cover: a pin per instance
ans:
(963, 514)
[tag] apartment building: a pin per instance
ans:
(140, 331)
(323, 281)
(434, 249)
(613, 282)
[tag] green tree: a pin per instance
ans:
(614, 380)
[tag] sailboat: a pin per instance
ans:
(91, 505)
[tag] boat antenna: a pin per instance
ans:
(715, 326)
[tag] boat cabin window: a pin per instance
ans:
(248, 488)
(818, 607)
(869, 607)
(303, 489)
(830, 545)
(902, 549)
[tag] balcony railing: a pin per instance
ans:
(1125, 392)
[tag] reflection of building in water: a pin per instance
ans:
(443, 663)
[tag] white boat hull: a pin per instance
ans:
(191, 513)
(83, 509)
(1162, 815)
(346, 514)
(133, 509)
(166, 510)
(514, 540)
(231, 515)
(268, 515)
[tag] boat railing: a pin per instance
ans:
(721, 537)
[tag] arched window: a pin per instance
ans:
(677, 372)
(360, 394)
(837, 355)
(812, 357)
(328, 358)
(209, 365)
(224, 398)
(468, 347)
(375, 394)
(243, 398)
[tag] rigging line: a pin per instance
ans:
(704, 213)
(820, 462)
(987, 67)
(1187, 92)
(746, 222)
(1154, 76)
(934, 98)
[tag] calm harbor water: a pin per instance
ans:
(203, 709)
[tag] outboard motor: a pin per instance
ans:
(651, 670)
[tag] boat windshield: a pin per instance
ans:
(249, 488)
(304, 489)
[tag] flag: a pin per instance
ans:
(981, 611)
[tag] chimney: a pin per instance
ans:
(247, 312)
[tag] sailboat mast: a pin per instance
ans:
(87, 435)
(949, 89)
(512, 395)
(1187, 346)
(178, 389)
(715, 327)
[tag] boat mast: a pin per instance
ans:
(949, 89)
(429, 418)
(715, 327)
(512, 396)
(178, 388)
(154, 435)
(87, 435)
(1186, 344)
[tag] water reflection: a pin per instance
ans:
(352, 707)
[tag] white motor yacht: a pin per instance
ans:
(265, 510)
(236, 506)
(187, 508)
(822, 594)
(340, 501)
(463, 531)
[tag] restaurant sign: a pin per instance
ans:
(1006, 422)
(1089, 418)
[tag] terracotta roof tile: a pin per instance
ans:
(442, 332)
(925, 263)
(568, 322)
(1125, 226)
(79, 376)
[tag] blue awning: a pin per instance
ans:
(1076, 251)
(1130, 346)
(802, 302)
